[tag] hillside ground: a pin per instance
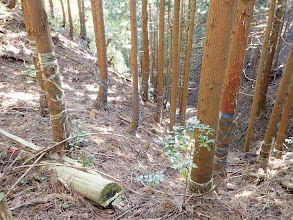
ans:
(249, 192)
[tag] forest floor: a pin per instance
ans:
(249, 192)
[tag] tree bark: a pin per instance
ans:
(52, 9)
(160, 62)
(259, 76)
(151, 57)
(12, 4)
(145, 68)
(63, 13)
(81, 11)
(280, 39)
(277, 111)
(168, 67)
(270, 58)
(187, 67)
(232, 83)
(39, 29)
(43, 111)
(284, 122)
(136, 99)
(175, 64)
(216, 50)
(98, 20)
(70, 21)
(181, 27)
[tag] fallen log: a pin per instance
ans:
(87, 182)
(90, 185)
(5, 212)
(288, 186)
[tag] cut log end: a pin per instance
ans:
(109, 194)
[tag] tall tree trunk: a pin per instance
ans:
(81, 11)
(216, 48)
(168, 60)
(43, 111)
(187, 68)
(175, 63)
(70, 21)
(259, 76)
(284, 122)
(136, 99)
(277, 111)
(181, 27)
(52, 9)
(12, 4)
(270, 58)
(254, 64)
(232, 82)
(99, 28)
(63, 13)
(39, 28)
(160, 62)
(282, 34)
(145, 68)
(151, 57)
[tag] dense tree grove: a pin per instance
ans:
(186, 63)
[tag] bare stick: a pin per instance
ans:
(23, 175)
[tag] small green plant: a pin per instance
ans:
(181, 146)
(30, 73)
(24, 182)
(153, 179)
(184, 143)
(40, 178)
(78, 128)
(86, 160)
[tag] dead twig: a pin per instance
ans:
(68, 139)
(23, 175)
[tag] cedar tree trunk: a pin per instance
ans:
(136, 99)
(216, 48)
(39, 28)
(160, 62)
(232, 82)
(145, 68)
(277, 111)
(259, 76)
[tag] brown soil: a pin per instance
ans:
(245, 194)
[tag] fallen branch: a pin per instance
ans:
(32, 148)
(23, 175)
(90, 184)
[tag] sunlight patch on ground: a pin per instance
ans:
(19, 95)
(92, 88)
(92, 97)
(11, 48)
(102, 129)
(78, 93)
(13, 98)
(244, 194)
